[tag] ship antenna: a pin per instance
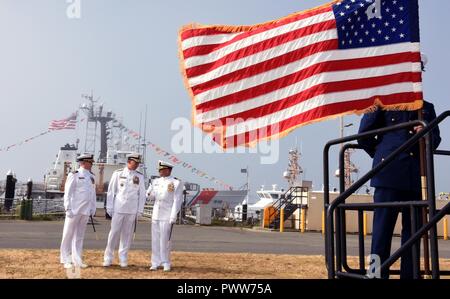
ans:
(144, 144)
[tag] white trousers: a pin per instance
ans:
(122, 228)
(72, 239)
(161, 243)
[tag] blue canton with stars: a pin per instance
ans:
(361, 25)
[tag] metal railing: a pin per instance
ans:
(40, 207)
(336, 254)
(285, 200)
(11, 210)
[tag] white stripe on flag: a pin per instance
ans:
(302, 64)
(318, 101)
(265, 55)
(254, 39)
(303, 85)
(205, 40)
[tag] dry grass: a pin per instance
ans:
(45, 264)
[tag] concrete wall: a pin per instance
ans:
(439, 205)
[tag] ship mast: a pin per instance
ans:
(349, 167)
(97, 117)
(294, 171)
(144, 146)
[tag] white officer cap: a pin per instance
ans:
(164, 165)
(86, 158)
(134, 157)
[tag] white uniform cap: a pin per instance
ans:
(86, 158)
(134, 157)
(164, 165)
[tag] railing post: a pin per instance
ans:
(365, 224)
(434, 245)
(415, 246)
(329, 250)
(338, 240)
(329, 239)
(282, 220)
(361, 233)
(323, 223)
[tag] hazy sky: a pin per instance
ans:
(126, 51)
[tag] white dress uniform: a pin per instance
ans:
(79, 203)
(125, 200)
(167, 193)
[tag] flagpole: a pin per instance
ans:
(423, 181)
(248, 185)
(248, 194)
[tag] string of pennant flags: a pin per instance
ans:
(174, 159)
(8, 148)
(55, 125)
(67, 124)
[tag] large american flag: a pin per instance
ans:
(251, 83)
(69, 123)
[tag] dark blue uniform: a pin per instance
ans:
(400, 181)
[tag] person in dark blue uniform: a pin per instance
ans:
(399, 181)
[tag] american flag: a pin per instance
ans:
(251, 83)
(69, 123)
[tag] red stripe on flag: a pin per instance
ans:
(189, 33)
(332, 66)
(265, 66)
(254, 48)
(260, 47)
(316, 115)
(320, 89)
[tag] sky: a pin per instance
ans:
(126, 52)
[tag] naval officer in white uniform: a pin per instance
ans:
(125, 202)
(79, 204)
(167, 193)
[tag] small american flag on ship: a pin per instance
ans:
(69, 123)
(250, 83)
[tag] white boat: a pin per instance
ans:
(275, 196)
(266, 198)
